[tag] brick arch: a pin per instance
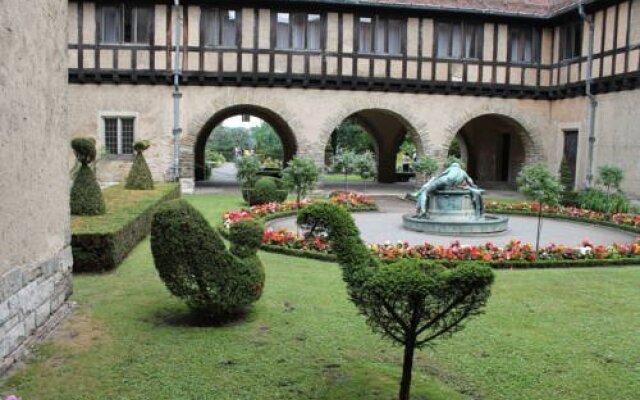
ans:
(386, 143)
(200, 128)
(529, 130)
(417, 130)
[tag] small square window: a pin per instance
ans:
(119, 135)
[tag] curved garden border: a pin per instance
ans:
(502, 264)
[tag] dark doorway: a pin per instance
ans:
(506, 157)
(570, 153)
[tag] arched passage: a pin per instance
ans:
(280, 126)
(495, 148)
(388, 130)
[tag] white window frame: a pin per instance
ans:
(120, 116)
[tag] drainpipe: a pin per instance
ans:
(177, 95)
(593, 103)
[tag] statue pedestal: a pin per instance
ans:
(452, 212)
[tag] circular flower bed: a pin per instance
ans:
(514, 254)
(627, 221)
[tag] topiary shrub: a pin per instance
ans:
(86, 196)
(195, 265)
(139, 177)
(266, 190)
(411, 302)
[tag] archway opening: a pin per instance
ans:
(240, 131)
(493, 148)
(385, 134)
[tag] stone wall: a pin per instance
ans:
(35, 257)
(432, 120)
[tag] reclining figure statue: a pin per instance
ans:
(452, 177)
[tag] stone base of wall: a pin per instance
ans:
(29, 295)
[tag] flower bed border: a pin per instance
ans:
(608, 224)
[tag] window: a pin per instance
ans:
(126, 24)
(571, 40)
(524, 44)
(459, 40)
(298, 31)
(220, 27)
(118, 135)
(380, 35)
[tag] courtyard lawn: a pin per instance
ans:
(547, 334)
(339, 178)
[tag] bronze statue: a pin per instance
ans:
(452, 177)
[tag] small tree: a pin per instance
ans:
(366, 167)
(139, 177)
(346, 163)
(301, 176)
(411, 302)
(247, 169)
(425, 166)
(610, 176)
(565, 175)
(86, 195)
(538, 183)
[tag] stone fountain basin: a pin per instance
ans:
(457, 226)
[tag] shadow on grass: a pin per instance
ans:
(185, 317)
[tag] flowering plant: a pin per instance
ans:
(350, 199)
(622, 219)
(512, 251)
(283, 237)
(12, 397)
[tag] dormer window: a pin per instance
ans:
(125, 24)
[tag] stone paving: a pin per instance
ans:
(378, 227)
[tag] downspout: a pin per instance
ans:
(593, 103)
(177, 95)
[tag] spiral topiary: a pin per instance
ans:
(195, 265)
(139, 177)
(411, 302)
(86, 196)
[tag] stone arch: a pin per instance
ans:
(497, 145)
(193, 143)
(530, 130)
(374, 120)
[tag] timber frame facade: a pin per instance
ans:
(256, 61)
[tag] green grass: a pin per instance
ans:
(123, 206)
(339, 178)
(547, 334)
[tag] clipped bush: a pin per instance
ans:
(86, 196)
(411, 302)
(195, 265)
(597, 200)
(139, 177)
(266, 190)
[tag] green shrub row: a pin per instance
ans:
(101, 244)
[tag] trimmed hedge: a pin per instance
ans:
(100, 243)
(195, 265)
(139, 177)
(86, 196)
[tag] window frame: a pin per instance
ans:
(536, 43)
(375, 21)
(121, 10)
(479, 39)
(120, 155)
(290, 46)
(221, 10)
(576, 31)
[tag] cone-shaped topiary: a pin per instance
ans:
(195, 265)
(139, 177)
(411, 302)
(86, 195)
